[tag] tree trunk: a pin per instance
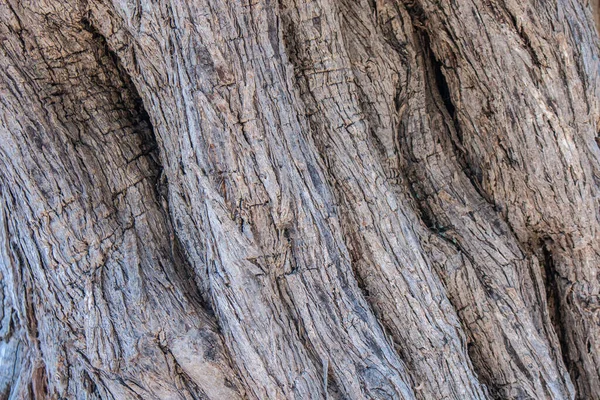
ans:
(366, 199)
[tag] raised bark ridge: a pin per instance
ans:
(299, 199)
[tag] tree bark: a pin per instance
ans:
(368, 199)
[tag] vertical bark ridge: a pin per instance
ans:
(261, 204)
(12, 344)
(189, 112)
(494, 284)
(18, 350)
(544, 117)
(402, 286)
(86, 238)
(595, 4)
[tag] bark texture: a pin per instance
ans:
(292, 199)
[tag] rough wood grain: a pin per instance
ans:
(530, 143)
(299, 199)
(98, 285)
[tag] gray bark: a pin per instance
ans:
(369, 199)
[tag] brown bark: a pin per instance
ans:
(293, 199)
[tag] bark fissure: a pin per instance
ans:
(558, 88)
(313, 72)
(443, 223)
(553, 296)
(114, 187)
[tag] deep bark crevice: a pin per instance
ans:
(550, 278)
(150, 150)
(117, 156)
(441, 90)
(328, 133)
(435, 70)
(148, 146)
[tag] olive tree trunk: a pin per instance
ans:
(290, 199)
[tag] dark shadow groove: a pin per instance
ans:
(150, 150)
(440, 89)
(145, 130)
(553, 300)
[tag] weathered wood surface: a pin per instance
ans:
(291, 200)
(596, 11)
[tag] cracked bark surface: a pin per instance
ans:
(299, 199)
